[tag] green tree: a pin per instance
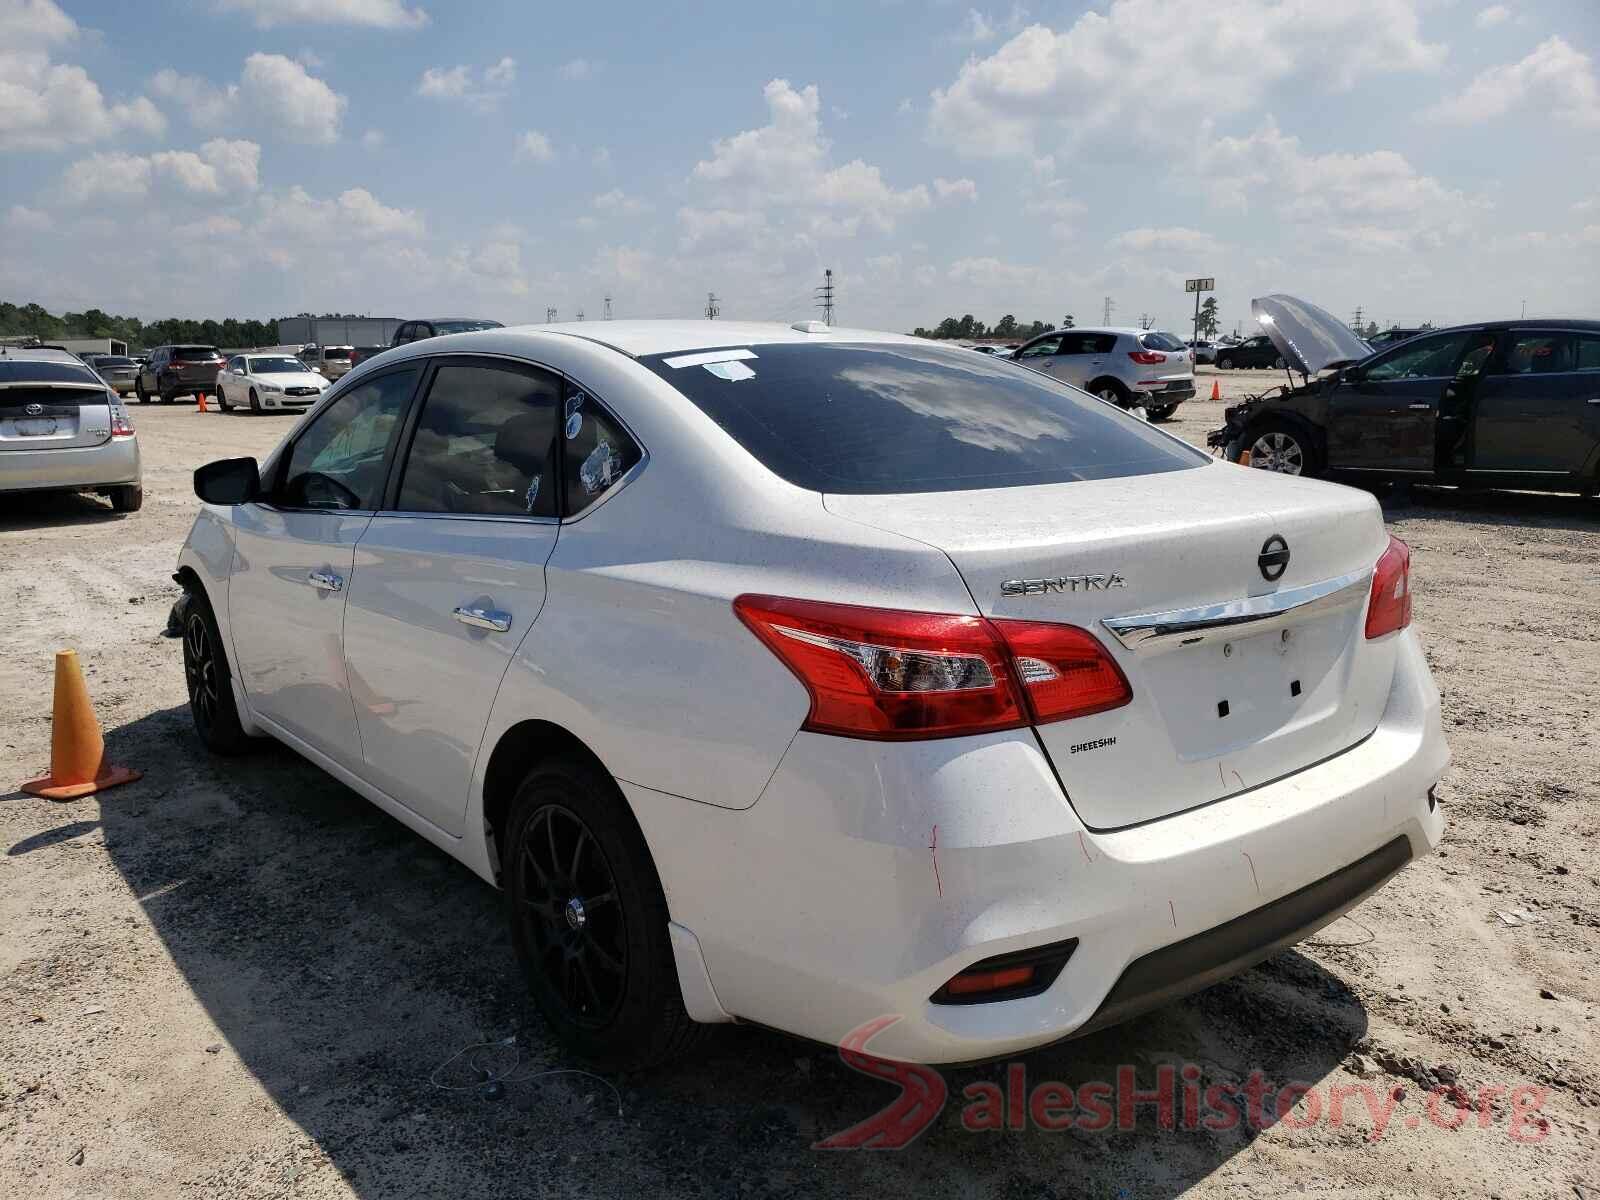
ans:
(1208, 317)
(1066, 322)
(1005, 327)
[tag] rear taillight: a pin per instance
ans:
(1390, 607)
(121, 423)
(1147, 358)
(891, 675)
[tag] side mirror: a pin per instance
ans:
(228, 481)
(1352, 374)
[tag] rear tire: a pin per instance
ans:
(589, 919)
(1225, 363)
(206, 673)
(222, 401)
(127, 499)
(1277, 363)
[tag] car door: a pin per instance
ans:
(1040, 354)
(294, 555)
(1538, 409)
(449, 576)
(232, 376)
(1383, 416)
(1082, 356)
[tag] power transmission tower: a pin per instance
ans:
(608, 309)
(580, 314)
(550, 316)
(1109, 305)
(713, 306)
(825, 297)
(1356, 322)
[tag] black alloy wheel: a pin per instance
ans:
(572, 916)
(200, 672)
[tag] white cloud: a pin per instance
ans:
(533, 146)
(783, 166)
(493, 268)
(955, 189)
(378, 14)
(1171, 240)
(1144, 68)
(22, 219)
(1375, 200)
(482, 90)
(221, 168)
(577, 69)
(1556, 79)
(994, 274)
(977, 28)
(373, 139)
(355, 215)
(275, 95)
(616, 202)
(46, 105)
(1495, 14)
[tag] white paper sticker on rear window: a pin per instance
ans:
(731, 371)
(708, 356)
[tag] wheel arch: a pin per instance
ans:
(1316, 438)
(1099, 381)
(517, 751)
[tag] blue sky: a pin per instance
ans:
(1425, 159)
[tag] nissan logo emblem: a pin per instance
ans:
(1274, 558)
(33, 410)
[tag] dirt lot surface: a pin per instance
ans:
(237, 978)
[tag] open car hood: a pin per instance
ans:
(1310, 339)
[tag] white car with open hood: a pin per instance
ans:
(807, 676)
(268, 381)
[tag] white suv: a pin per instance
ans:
(1147, 372)
(809, 677)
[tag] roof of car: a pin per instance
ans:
(40, 354)
(640, 338)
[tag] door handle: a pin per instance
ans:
(484, 618)
(1419, 407)
(325, 581)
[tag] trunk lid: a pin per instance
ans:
(53, 416)
(1215, 710)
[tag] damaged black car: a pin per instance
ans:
(1506, 404)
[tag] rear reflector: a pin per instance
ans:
(1390, 607)
(891, 675)
(1007, 976)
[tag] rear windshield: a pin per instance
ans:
(443, 327)
(190, 353)
(1159, 341)
(15, 400)
(112, 360)
(25, 371)
(870, 419)
(340, 352)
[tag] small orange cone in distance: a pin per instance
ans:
(202, 398)
(77, 751)
(1216, 390)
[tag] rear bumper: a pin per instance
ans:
(1160, 395)
(71, 468)
(868, 874)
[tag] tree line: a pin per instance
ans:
(31, 319)
(1006, 327)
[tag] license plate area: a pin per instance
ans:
(35, 426)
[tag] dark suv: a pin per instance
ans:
(1501, 404)
(415, 331)
(1255, 351)
(178, 371)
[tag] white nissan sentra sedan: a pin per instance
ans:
(809, 676)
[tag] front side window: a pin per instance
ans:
(1422, 358)
(1043, 346)
(338, 461)
(902, 417)
(1540, 354)
(484, 442)
(596, 450)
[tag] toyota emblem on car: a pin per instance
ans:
(34, 410)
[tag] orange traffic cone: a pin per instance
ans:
(202, 398)
(1216, 390)
(77, 751)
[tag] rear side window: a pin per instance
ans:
(869, 419)
(338, 461)
(1088, 343)
(1160, 341)
(1540, 354)
(483, 444)
(596, 450)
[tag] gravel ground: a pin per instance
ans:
(236, 979)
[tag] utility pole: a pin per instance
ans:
(1106, 317)
(1145, 320)
(825, 297)
(550, 316)
(713, 306)
(608, 308)
(1524, 308)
